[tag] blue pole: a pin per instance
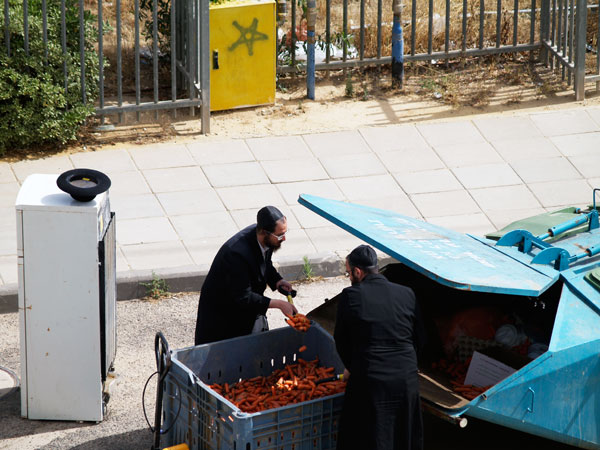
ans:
(397, 47)
(311, 21)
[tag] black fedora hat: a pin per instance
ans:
(83, 184)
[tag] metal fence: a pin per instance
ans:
(447, 29)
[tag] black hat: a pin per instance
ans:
(83, 184)
(363, 257)
(267, 218)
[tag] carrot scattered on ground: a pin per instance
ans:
(302, 349)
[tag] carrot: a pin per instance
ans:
(302, 349)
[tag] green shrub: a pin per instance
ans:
(34, 107)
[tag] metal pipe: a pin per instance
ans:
(362, 30)
(327, 29)
(119, 60)
(580, 27)
(82, 51)
(571, 36)
(413, 28)
(100, 59)
(447, 30)
(464, 26)
(293, 34)
(345, 28)
(204, 66)
(430, 28)
(397, 46)
(498, 21)
(379, 19)
(173, 46)
(137, 55)
(460, 421)
(481, 22)
(516, 23)
(155, 51)
(311, 21)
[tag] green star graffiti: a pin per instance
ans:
(248, 36)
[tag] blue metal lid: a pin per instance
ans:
(448, 257)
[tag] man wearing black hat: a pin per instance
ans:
(231, 300)
(378, 333)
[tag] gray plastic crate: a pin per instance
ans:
(207, 420)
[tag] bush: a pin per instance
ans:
(34, 107)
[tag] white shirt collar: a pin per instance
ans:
(263, 250)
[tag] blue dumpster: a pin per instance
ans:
(550, 288)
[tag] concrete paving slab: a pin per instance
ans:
(473, 154)
(353, 165)
(502, 218)
(486, 175)
(394, 138)
(361, 188)
(136, 206)
(587, 165)
(53, 165)
(338, 143)
(176, 179)
(190, 202)
(274, 148)
(557, 123)
(203, 251)
(161, 156)
(149, 256)
(545, 169)
(122, 264)
(411, 160)
(307, 218)
(8, 269)
(565, 192)
(507, 128)
(205, 225)
(128, 183)
(476, 224)
(445, 203)
(294, 170)
(577, 144)
(297, 244)
(8, 243)
(146, 230)
(439, 180)
(6, 173)
(594, 183)
(450, 133)
(107, 161)
(594, 114)
(245, 217)
(207, 153)
(400, 203)
(8, 194)
(528, 149)
(332, 238)
(505, 198)
(244, 197)
(321, 188)
(235, 174)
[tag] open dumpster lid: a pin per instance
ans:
(448, 257)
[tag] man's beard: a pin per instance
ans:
(274, 247)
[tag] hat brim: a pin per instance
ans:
(83, 184)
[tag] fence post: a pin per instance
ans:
(544, 30)
(311, 21)
(397, 46)
(204, 64)
(580, 42)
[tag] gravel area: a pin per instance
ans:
(137, 321)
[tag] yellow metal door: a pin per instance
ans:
(242, 43)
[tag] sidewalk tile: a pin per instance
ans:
(245, 217)
(332, 238)
(504, 198)
(507, 128)
(397, 203)
(502, 218)
(486, 175)
(235, 174)
(412, 160)
(577, 144)
(136, 206)
(244, 197)
(394, 138)
(161, 156)
(204, 225)
(207, 153)
(321, 188)
(559, 123)
(369, 187)
(275, 148)
(445, 203)
(128, 183)
(428, 181)
(8, 194)
(307, 218)
(353, 165)
(190, 202)
(594, 183)
(6, 174)
(107, 161)
(476, 224)
(176, 179)
(588, 165)
(8, 269)
(203, 251)
(473, 154)
(296, 243)
(338, 143)
(53, 165)
(450, 133)
(291, 170)
(121, 261)
(141, 231)
(566, 192)
(157, 255)
(594, 114)
(545, 169)
(517, 150)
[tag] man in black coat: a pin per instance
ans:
(231, 299)
(378, 332)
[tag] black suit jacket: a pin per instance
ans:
(232, 293)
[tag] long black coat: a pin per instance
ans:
(378, 332)
(232, 293)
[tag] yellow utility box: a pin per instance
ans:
(242, 47)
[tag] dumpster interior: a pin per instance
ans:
(510, 329)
